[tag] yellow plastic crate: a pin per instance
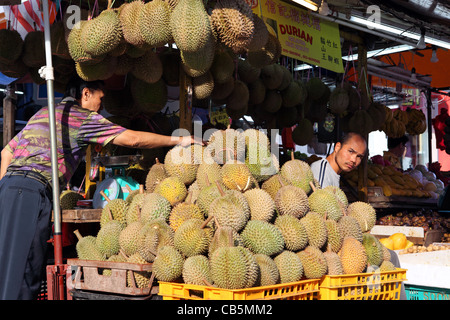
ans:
(300, 290)
(363, 286)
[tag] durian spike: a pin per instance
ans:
(78, 234)
(313, 187)
(206, 222)
(105, 196)
(222, 193)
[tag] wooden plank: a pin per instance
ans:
(81, 215)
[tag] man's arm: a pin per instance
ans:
(148, 140)
(6, 160)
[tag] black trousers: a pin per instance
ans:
(25, 228)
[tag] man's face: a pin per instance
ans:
(92, 99)
(349, 155)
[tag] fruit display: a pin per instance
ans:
(232, 230)
(418, 182)
(399, 122)
(429, 248)
(426, 218)
(396, 241)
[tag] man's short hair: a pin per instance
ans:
(394, 142)
(75, 86)
(349, 135)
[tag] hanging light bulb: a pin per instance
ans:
(434, 57)
(421, 44)
(324, 10)
(413, 78)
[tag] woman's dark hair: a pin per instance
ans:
(76, 85)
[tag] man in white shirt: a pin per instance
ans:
(347, 155)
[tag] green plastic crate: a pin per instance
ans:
(414, 292)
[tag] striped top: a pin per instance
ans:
(76, 128)
(324, 173)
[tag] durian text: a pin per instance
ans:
(294, 31)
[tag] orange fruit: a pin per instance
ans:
(388, 243)
(399, 240)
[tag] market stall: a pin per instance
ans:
(240, 218)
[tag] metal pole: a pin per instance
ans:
(47, 74)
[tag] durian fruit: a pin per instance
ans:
(168, 264)
(314, 262)
(75, 45)
(260, 34)
(247, 73)
(153, 20)
(86, 248)
(117, 208)
(290, 95)
(339, 101)
(138, 279)
(303, 132)
(148, 67)
(387, 266)
(183, 162)
(128, 238)
(291, 200)
(350, 227)
(237, 100)
(107, 239)
(256, 92)
(149, 239)
(339, 194)
(184, 211)
(334, 236)
(102, 34)
(98, 71)
(173, 189)
(293, 231)
(165, 232)
(232, 267)
(268, 54)
(224, 236)
(263, 237)
(262, 206)
(221, 91)
(68, 199)
(149, 98)
(197, 270)
(268, 274)
(236, 175)
(353, 256)
(203, 85)
(208, 172)
(315, 228)
(198, 62)
(334, 263)
(129, 18)
(207, 195)
(193, 237)
(272, 76)
(363, 212)
(374, 249)
(190, 25)
(262, 164)
(33, 54)
(222, 68)
(11, 45)
(273, 184)
(155, 206)
(325, 203)
(135, 206)
(226, 144)
(289, 266)
(233, 22)
(156, 174)
(298, 173)
(230, 209)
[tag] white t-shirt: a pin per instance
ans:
(324, 173)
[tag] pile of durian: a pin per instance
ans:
(228, 215)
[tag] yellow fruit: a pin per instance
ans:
(399, 240)
(409, 244)
(388, 243)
